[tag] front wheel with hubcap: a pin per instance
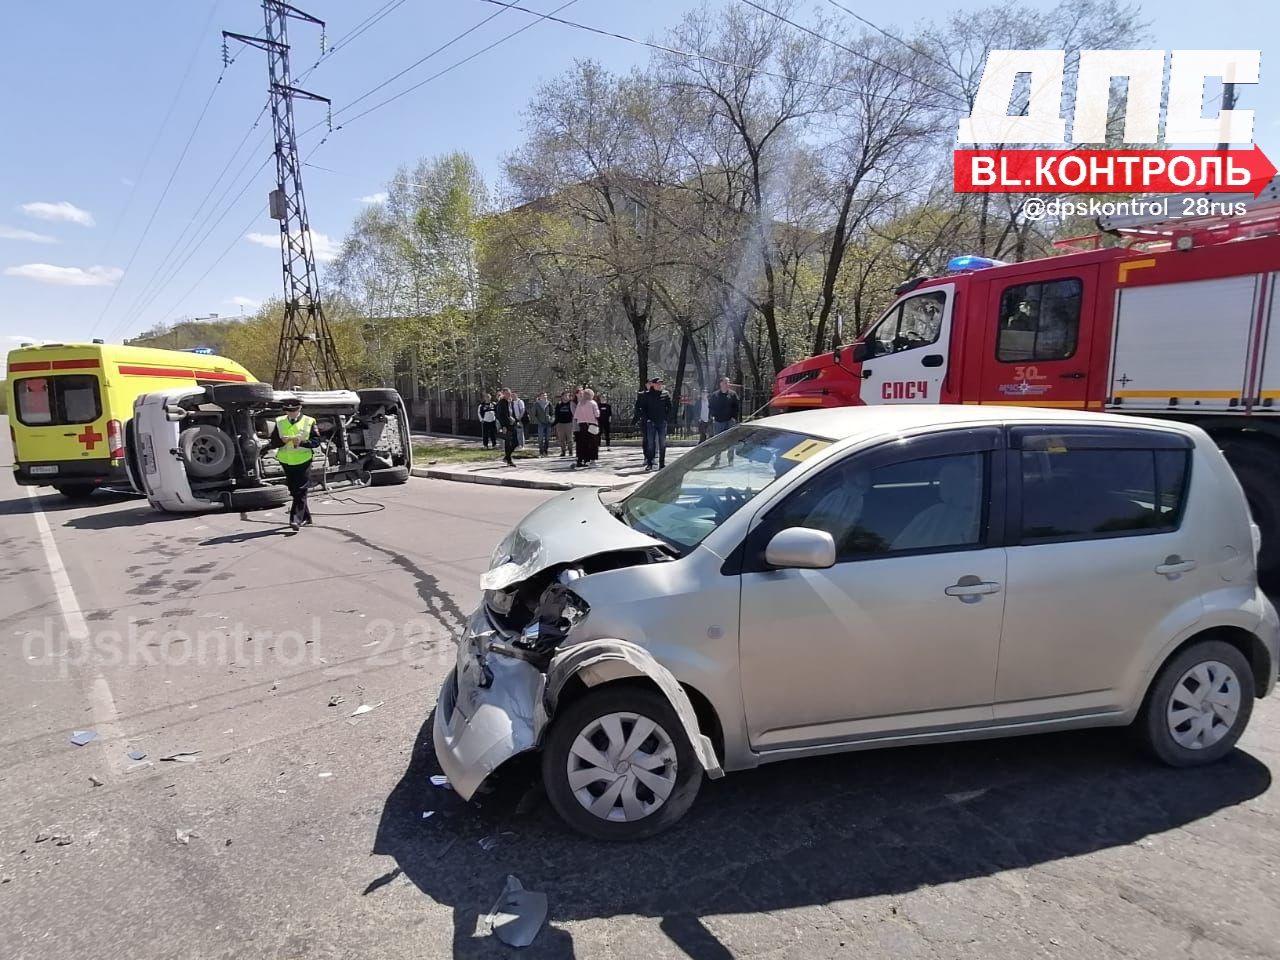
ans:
(618, 766)
(1199, 705)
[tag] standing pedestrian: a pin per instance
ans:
(544, 416)
(507, 425)
(606, 422)
(564, 423)
(704, 416)
(487, 414)
(296, 437)
(587, 419)
(654, 413)
(726, 409)
(521, 413)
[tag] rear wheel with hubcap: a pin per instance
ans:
(1199, 705)
(618, 766)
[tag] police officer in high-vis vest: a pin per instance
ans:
(294, 438)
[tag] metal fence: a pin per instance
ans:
(454, 413)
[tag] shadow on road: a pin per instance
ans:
(52, 502)
(800, 833)
(118, 519)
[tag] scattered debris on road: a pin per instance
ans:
(95, 781)
(326, 774)
(518, 915)
(336, 699)
(136, 755)
(439, 780)
(81, 737)
(488, 843)
(184, 836)
(428, 813)
(365, 708)
(183, 756)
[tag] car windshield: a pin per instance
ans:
(705, 487)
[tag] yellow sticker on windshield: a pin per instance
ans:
(805, 449)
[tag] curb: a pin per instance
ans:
(457, 477)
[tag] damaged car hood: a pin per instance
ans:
(565, 529)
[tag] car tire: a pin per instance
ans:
(225, 393)
(1177, 706)
(260, 498)
(586, 719)
(1256, 465)
(388, 476)
(207, 451)
(76, 491)
(378, 396)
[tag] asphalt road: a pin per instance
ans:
(220, 634)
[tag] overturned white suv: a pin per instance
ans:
(205, 448)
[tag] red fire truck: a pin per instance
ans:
(1182, 322)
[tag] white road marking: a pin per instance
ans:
(103, 704)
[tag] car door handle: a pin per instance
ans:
(1175, 565)
(865, 373)
(972, 587)
(1077, 375)
(932, 360)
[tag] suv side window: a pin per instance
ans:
(1086, 487)
(1039, 321)
(915, 322)
(915, 505)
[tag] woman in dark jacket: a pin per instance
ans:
(606, 422)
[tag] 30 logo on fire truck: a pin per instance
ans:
(1039, 121)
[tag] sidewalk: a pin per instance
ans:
(620, 467)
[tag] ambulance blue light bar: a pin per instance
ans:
(969, 261)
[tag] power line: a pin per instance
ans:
(848, 49)
(142, 305)
(155, 141)
(896, 39)
(160, 200)
(663, 48)
(192, 228)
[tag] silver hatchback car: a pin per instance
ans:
(865, 577)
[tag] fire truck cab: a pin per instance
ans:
(1182, 323)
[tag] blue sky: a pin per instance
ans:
(88, 88)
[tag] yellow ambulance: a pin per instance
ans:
(70, 405)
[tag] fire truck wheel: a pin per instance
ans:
(1256, 464)
(242, 392)
(388, 476)
(206, 450)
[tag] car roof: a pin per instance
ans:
(846, 423)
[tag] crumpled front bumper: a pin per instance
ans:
(488, 710)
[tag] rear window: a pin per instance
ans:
(1084, 494)
(54, 401)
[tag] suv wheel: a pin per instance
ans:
(207, 451)
(1199, 705)
(618, 766)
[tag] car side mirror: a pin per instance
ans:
(861, 352)
(801, 548)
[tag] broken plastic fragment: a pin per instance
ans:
(428, 813)
(517, 916)
(183, 756)
(439, 780)
(136, 755)
(336, 699)
(95, 781)
(81, 737)
(365, 708)
(184, 836)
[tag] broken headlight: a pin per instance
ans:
(559, 611)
